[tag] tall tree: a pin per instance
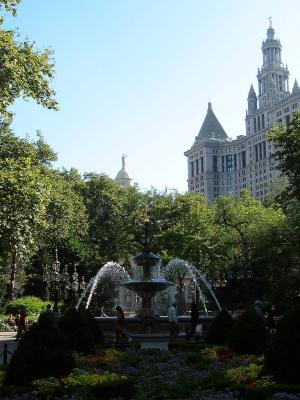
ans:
(287, 154)
(25, 71)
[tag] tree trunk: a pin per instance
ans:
(12, 280)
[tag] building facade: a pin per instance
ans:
(218, 165)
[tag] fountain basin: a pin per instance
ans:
(147, 286)
(138, 327)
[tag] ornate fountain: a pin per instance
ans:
(147, 280)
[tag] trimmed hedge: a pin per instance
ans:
(248, 334)
(282, 358)
(43, 351)
(220, 329)
(80, 330)
(33, 305)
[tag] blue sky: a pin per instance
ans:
(135, 77)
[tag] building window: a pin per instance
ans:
(243, 153)
(197, 166)
(264, 150)
(192, 169)
(201, 165)
(263, 121)
(229, 163)
(287, 120)
(215, 163)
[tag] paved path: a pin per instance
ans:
(161, 345)
(9, 339)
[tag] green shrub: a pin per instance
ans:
(220, 329)
(243, 374)
(103, 386)
(33, 305)
(76, 326)
(42, 352)
(282, 358)
(95, 328)
(48, 387)
(248, 334)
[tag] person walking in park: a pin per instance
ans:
(271, 320)
(173, 320)
(50, 313)
(121, 325)
(21, 322)
(257, 308)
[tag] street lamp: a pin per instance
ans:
(55, 279)
(64, 283)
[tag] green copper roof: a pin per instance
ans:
(211, 128)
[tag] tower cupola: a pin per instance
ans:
(273, 76)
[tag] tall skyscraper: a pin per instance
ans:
(218, 165)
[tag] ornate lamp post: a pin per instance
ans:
(63, 283)
(55, 279)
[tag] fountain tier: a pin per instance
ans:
(147, 281)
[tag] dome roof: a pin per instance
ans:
(122, 174)
(122, 177)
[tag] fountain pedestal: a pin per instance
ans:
(147, 281)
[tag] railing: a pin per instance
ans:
(5, 353)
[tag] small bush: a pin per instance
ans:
(248, 334)
(42, 352)
(76, 326)
(282, 358)
(33, 305)
(95, 327)
(220, 329)
(102, 386)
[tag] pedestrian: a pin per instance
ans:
(121, 325)
(173, 320)
(271, 320)
(11, 321)
(50, 313)
(257, 308)
(21, 322)
(194, 321)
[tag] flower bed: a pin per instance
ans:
(205, 374)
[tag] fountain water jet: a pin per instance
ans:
(182, 267)
(111, 272)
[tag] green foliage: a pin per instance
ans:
(42, 352)
(25, 72)
(76, 326)
(248, 334)
(282, 358)
(94, 327)
(220, 329)
(47, 387)
(105, 386)
(33, 305)
(244, 374)
(287, 154)
(9, 6)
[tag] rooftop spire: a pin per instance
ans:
(296, 88)
(211, 127)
